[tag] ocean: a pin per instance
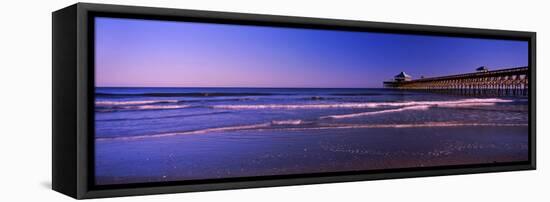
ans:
(173, 134)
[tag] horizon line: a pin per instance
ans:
(231, 87)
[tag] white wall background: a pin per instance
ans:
(25, 99)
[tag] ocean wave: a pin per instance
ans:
(359, 94)
(213, 94)
(164, 117)
(217, 129)
(419, 107)
(295, 106)
(454, 103)
(136, 102)
(299, 125)
(142, 107)
(287, 122)
(479, 104)
(159, 107)
(415, 125)
(192, 132)
(219, 100)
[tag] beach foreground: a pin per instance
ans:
(246, 153)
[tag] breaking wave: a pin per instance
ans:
(138, 102)
(455, 103)
(192, 132)
(163, 117)
(411, 125)
(299, 126)
(419, 107)
(142, 107)
(317, 123)
(213, 94)
(287, 122)
(159, 107)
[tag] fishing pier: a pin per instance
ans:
(502, 82)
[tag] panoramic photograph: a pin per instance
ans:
(178, 101)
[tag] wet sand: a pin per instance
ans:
(281, 152)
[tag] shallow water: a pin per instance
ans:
(167, 134)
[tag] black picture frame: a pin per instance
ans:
(73, 98)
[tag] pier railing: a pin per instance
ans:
(503, 82)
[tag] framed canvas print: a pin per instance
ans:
(154, 100)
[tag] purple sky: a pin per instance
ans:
(151, 53)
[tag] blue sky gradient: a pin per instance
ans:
(152, 53)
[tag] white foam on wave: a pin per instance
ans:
(193, 132)
(265, 126)
(411, 125)
(479, 104)
(454, 103)
(458, 103)
(209, 130)
(157, 107)
(295, 106)
(287, 122)
(419, 107)
(136, 102)
(228, 128)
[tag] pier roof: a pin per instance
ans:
(402, 75)
(482, 68)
